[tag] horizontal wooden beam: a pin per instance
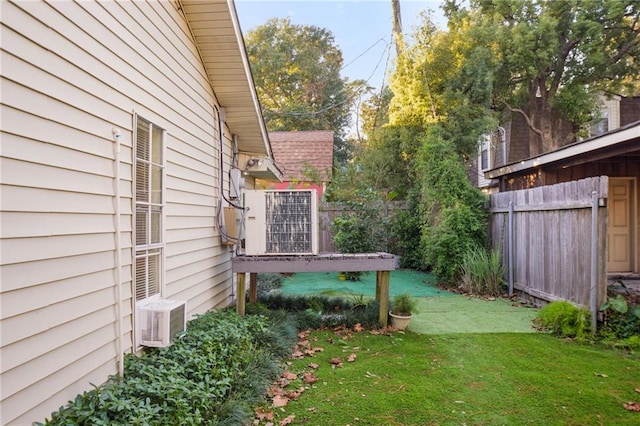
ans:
(326, 262)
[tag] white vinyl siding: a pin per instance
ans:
(71, 73)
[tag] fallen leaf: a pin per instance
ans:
(276, 390)
(638, 390)
(309, 378)
(280, 401)
(314, 366)
(318, 349)
(335, 361)
(261, 414)
(289, 375)
(632, 406)
(297, 355)
(358, 327)
(313, 410)
(304, 334)
(294, 394)
(600, 375)
(288, 420)
(352, 358)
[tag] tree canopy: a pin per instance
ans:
(296, 69)
(546, 60)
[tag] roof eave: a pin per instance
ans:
(216, 31)
(624, 134)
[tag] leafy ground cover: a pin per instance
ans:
(341, 377)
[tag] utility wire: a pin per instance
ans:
(349, 99)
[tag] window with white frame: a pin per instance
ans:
(485, 152)
(601, 125)
(149, 208)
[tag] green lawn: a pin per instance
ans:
(464, 379)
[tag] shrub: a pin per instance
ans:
(405, 237)
(621, 321)
(318, 311)
(564, 319)
(213, 374)
(267, 282)
(455, 220)
(362, 227)
(482, 272)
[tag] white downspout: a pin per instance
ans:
(118, 248)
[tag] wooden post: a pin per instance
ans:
(253, 287)
(240, 295)
(382, 294)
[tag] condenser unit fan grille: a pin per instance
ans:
(289, 222)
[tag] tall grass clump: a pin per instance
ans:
(564, 319)
(482, 272)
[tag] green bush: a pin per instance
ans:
(564, 319)
(405, 237)
(213, 374)
(321, 311)
(620, 321)
(454, 218)
(482, 272)
(362, 227)
(268, 282)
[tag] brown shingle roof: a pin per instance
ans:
(293, 150)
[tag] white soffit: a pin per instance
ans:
(216, 30)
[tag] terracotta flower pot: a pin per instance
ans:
(400, 322)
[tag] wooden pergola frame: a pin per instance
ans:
(382, 263)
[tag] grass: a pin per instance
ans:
(464, 379)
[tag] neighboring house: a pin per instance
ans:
(120, 124)
(615, 154)
(305, 158)
(512, 143)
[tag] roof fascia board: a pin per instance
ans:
(567, 152)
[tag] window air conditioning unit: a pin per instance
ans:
(281, 222)
(159, 321)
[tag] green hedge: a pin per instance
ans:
(213, 374)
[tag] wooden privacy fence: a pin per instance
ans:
(553, 240)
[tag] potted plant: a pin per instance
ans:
(402, 308)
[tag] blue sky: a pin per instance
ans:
(362, 29)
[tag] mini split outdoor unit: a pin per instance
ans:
(279, 222)
(159, 322)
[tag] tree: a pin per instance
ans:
(441, 78)
(551, 58)
(374, 111)
(296, 69)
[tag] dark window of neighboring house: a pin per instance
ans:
(602, 125)
(484, 154)
(149, 209)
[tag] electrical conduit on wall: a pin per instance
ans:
(118, 251)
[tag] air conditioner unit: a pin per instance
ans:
(159, 321)
(279, 222)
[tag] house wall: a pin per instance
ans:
(629, 110)
(71, 72)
